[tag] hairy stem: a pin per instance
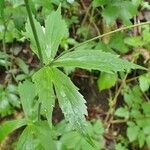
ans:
(36, 40)
(34, 30)
(109, 33)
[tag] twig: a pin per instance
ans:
(115, 99)
(132, 79)
(88, 15)
(118, 121)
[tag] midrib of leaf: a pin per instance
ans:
(94, 59)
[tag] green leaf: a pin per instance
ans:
(41, 36)
(127, 10)
(44, 90)
(94, 59)
(146, 35)
(146, 5)
(119, 146)
(134, 41)
(110, 14)
(97, 3)
(55, 30)
(148, 141)
(26, 139)
(144, 82)
(44, 135)
(4, 59)
(117, 43)
(146, 130)
(2, 6)
(49, 37)
(74, 140)
(122, 112)
(98, 127)
(141, 139)
(123, 10)
(144, 85)
(27, 95)
(8, 99)
(132, 132)
(144, 122)
(106, 80)
(133, 97)
(70, 100)
(36, 136)
(16, 3)
(9, 126)
(135, 113)
(146, 108)
(22, 65)
(70, 140)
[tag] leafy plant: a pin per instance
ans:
(49, 82)
(136, 112)
(4, 60)
(73, 140)
(89, 59)
(8, 100)
(112, 10)
(144, 82)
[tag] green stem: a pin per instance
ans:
(36, 40)
(105, 34)
(34, 30)
(109, 33)
(4, 41)
(39, 111)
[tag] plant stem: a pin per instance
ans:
(109, 33)
(39, 110)
(105, 34)
(110, 112)
(118, 121)
(34, 30)
(36, 40)
(3, 41)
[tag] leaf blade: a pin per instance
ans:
(55, 30)
(27, 100)
(70, 100)
(10, 126)
(44, 89)
(94, 59)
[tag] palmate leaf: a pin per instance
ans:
(94, 59)
(70, 100)
(49, 37)
(44, 90)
